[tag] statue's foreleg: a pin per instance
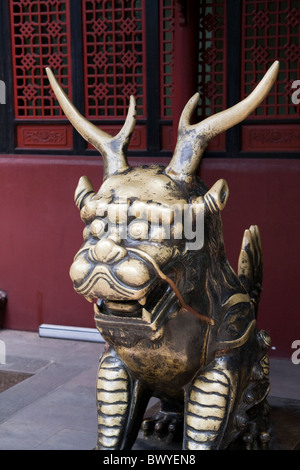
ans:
(120, 403)
(209, 401)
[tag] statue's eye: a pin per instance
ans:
(138, 230)
(98, 227)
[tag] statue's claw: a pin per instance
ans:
(164, 426)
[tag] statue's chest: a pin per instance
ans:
(159, 365)
(179, 354)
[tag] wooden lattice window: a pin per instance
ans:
(271, 31)
(40, 37)
(212, 63)
(102, 51)
(167, 20)
(212, 57)
(114, 57)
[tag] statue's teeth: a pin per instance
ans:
(146, 315)
(143, 301)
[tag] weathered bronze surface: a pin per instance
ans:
(179, 323)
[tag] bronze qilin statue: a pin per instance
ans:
(179, 323)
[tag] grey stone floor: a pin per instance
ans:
(55, 409)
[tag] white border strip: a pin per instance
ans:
(70, 332)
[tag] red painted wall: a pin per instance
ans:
(41, 231)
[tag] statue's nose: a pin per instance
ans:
(107, 251)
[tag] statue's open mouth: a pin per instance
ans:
(129, 320)
(162, 295)
(159, 296)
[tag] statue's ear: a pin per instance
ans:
(83, 192)
(216, 198)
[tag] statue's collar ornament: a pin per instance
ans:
(179, 322)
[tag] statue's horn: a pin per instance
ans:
(193, 138)
(112, 149)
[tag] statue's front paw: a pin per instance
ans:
(164, 425)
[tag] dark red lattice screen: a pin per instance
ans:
(166, 70)
(114, 40)
(212, 62)
(212, 57)
(271, 31)
(167, 26)
(114, 61)
(114, 57)
(40, 35)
